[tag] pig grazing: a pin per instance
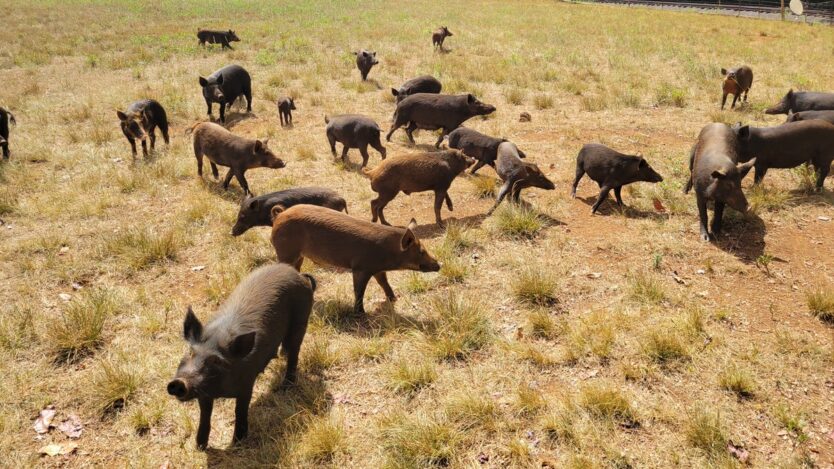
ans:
(270, 307)
(416, 173)
(217, 37)
(353, 131)
(227, 149)
(140, 121)
(439, 35)
(788, 146)
(436, 111)
(6, 118)
(421, 84)
(365, 60)
(517, 174)
(611, 170)
(477, 145)
(285, 108)
(736, 81)
(257, 211)
(225, 86)
(797, 101)
(827, 116)
(716, 175)
(336, 239)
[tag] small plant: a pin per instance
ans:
(79, 329)
(483, 186)
(408, 377)
(529, 400)
(668, 95)
(8, 201)
(705, 432)
(534, 286)
(543, 101)
(594, 335)
(460, 327)
(765, 199)
(141, 248)
(645, 288)
(663, 345)
(373, 349)
(323, 439)
(114, 384)
(305, 154)
(453, 268)
(763, 261)
(657, 262)
(793, 422)
(514, 95)
(471, 410)
(317, 356)
(605, 402)
(412, 441)
(806, 177)
(417, 283)
(543, 326)
(821, 303)
(561, 424)
(517, 221)
(738, 381)
(17, 330)
(457, 238)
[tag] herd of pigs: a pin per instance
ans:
(271, 307)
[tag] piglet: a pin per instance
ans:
(353, 131)
(285, 108)
(256, 211)
(365, 60)
(139, 122)
(516, 174)
(439, 35)
(827, 116)
(736, 81)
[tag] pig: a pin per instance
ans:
(716, 174)
(797, 101)
(256, 211)
(611, 170)
(788, 146)
(140, 120)
(736, 81)
(827, 116)
(436, 111)
(416, 173)
(227, 149)
(517, 174)
(269, 308)
(365, 60)
(285, 108)
(336, 239)
(439, 35)
(421, 84)
(217, 37)
(6, 117)
(224, 86)
(353, 131)
(477, 145)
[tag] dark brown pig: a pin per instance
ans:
(225, 38)
(477, 145)
(270, 307)
(798, 101)
(736, 81)
(439, 35)
(353, 131)
(517, 174)
(416, 173)
(716, 174)
(227, 149)
(224, 86)
(421, 84)
(336, 239)
(139, 122)
(285, 108)
(788, 146)
(436, 111)
(6, 118)
(827, 116)
(611, 170)
(257, 211)
(365, 60)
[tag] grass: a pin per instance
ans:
(144, 247)
(705, 432)
(738, 381)
(472, 410)
(115, 382)
(80, 328)
(543, 326)
(821, 303)
(409, 376)
(518, 222)
(534, 286)
(606, 402)
(645, 288)
(418, 441)
(792, 421)
(459, 328)
(323, 440)
(484, 186)
(664, 345)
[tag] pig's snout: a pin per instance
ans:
(238, 230)
(178, 388)
(277, 164)
(432, 266)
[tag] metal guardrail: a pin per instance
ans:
(822, 10)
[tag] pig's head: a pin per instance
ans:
(477, 108)
(783, 106)
(536, 178)
(213, 91)
(445, 31)
(644, 172)
(398, 94)
(743, 141)
(264, 156)
(292, 103)
(413, 255)
(206, 370)
(247, 216)
(458, 160)
(232, 37)
(726, 185)
(366, 58)
(132, 125)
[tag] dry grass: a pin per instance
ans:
(821, 303)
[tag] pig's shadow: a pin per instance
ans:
(273, 417)
(378, 320)
(236, 117)
(820, 199)
(443, 50)
(373, 82)
(433, 230)
(609, 207)
(233, 194)
(742, 236)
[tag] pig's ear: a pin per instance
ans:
(122, 116)
(412, 225)
(719, 174)
(744, 132)
(192, 328)
(373, 53)
(266, 142)
(642, 163)
(470, 99)
(790, 93)
(409, 239)
(745, 168)
(395, 92)
(203, 82)
(259, 146)
(242, 345)
(277, 209)
(723, 71)
(219, 80)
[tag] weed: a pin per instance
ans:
(518, 222)
(80, 328)
(705, 432)
(144, 247)
(323, 439)
(409, 376)
(821, 302)
(460, 327)
(535, 286)
(114, 383)
(412, 441)
(606, 402)
(734, 379)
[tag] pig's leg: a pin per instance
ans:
(443, 133)
(603, 194)
(133, 148)
(382, 280)
(723, 101)
(363, 150)
(241, 179)
(289, 118)
(222, 112)
(745, 94)
(759, 174)
(438, 204)
(144, 148)
(242, 414)
(382, 201)
(409, 131)
(449, 202)
(702, 216)
(617, 195)
(717, 218)
(579, 173)
(501, 194)
(290, 347)
(198, 153)
(360, 283)
(735, 98)
(214, 171)
(206, 407)
(478, 165)
(344, 153)
(822, 173)
(332, 140)
(152, 135)
(281, 118)
(378, 147)
(247, 93)
(228, 179)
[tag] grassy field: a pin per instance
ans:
(550, 338)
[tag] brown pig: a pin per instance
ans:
(416, 173)
(736, 81)
(227, 149)
(336, 239)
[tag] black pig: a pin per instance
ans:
(139, 122)
(225, 86)
(285, 108)
(268, 308)
(439, 35)
(255, 211)
(6, 118)
(436, 111)
(217, 37)
(477, 145)
(517, 174)
(365, 60)
(796, 101)
(827, 116)
(353, 131)
(421, 84)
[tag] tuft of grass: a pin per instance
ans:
(605, 402)
(317, 356)
(416, 283)
(373, 349)
(645, 288)
(305, 154)
(418, 441)
(705, 432)
(821, 302)
(529, 400)
(594, 335)
(669, 95)
(459, 327)
(472, 410)
(543, 326)
(767, 199)
(805, 177)
(664, 345)
(534, 285)
(409, 376)
(17, 328)
(484, 186)
(8, 201)
(80, 328)
(734, 379)
(561, 424)
(323, 440)
(514, 95)
(530, 352)
(453, 268)
(543, 101)
(114, 383)
(144, 247)
(792, 421)
(518, 222)
(457, 237)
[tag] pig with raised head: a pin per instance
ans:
(736, 81)
(421, 84)
(436, 111)
(611, 170)
(286, 106)
(365, 60)
(6, 118)
(268, 309)
(353, 131)
(797, 101)
(224, 86)
(439, 35)
(827, 116)
(477, 145)
(336, 239)
(788, 146)
(416, 173)
(716, 174)
(237, 153)
(139, 122)
(225, 38)
(516, 174)
(257, 211)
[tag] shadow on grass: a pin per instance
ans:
(609, 207)
(742, 236)
(380, 319)
(824, 198)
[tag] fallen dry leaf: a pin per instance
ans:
(738, 452)
(659, 206)
(44, 421)
(56, 449)
(71, 426)
(594, 275)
